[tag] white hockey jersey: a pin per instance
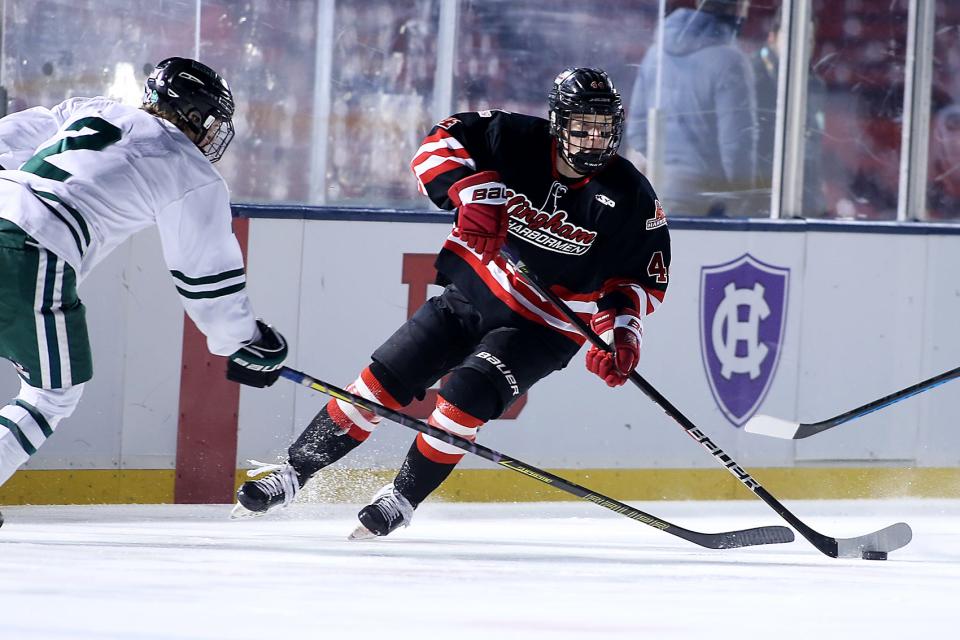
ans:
(84, 176)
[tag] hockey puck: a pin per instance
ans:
(873, 555)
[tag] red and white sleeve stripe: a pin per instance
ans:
(645, 301)
(439, 153)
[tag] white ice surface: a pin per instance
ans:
(555, 570)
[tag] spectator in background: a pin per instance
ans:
(709, 110)
(874, 183)
(943, 199)
(766, 64)
(873, 163)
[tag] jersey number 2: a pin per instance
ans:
(104, 134)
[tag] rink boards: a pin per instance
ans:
(798, 320)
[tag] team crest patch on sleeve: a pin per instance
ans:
(446, 123)
(659, 218)
(602, 199)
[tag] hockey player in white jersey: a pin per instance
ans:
(79, 179)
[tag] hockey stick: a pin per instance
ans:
(724, 540)
(779, 428)
(885, 540)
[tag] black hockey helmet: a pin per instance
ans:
(198, 97)
(584, 102)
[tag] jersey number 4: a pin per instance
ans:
(657, 269)
(104, 134)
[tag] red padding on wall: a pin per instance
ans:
(209, 407)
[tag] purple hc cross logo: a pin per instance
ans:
(743, 309)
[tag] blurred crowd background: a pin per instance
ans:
(334, 96)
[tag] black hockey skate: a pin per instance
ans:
(278, 488)
(386, 512)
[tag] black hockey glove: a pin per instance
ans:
(258, 363)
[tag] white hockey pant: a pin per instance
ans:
(29, 420)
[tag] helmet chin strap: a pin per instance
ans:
(568, 160)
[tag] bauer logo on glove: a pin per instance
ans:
(623, 331)
(482, 220)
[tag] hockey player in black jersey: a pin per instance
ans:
(552, 193)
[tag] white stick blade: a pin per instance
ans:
(773, 427)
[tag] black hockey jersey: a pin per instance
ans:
(599, 242)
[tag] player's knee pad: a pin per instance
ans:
(483, 386)
(30, 420)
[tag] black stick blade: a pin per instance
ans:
(889, 539)
(750, 537)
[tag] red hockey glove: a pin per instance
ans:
(482, 214)
(623, 331)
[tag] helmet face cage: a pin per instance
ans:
(217, 139)
(586, 117)
(199, 97)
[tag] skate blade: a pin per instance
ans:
(361, 533)
(240, 512)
